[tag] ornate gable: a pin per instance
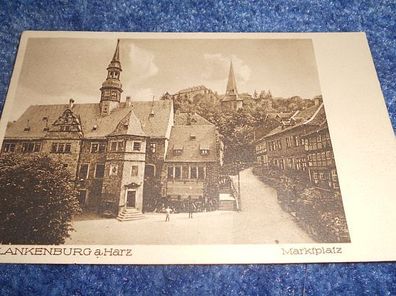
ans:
(67, 124)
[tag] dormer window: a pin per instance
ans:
(26, 129)
(204, 152)
(193, 137)
(177, 150)
(204, 149)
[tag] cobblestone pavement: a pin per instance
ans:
(260, 221)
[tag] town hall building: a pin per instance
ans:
(115, 149)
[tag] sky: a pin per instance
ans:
(57, 69)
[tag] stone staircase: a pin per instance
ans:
(129, 215)
(227, 202)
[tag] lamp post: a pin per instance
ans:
(237, 166)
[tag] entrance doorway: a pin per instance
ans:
(131, 199)
(82, 197)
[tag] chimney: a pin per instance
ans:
(128, 102)
(318, 100)
(71, 103)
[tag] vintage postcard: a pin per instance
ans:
(149, 148)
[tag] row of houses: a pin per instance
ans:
(123, 154)
(301, 143)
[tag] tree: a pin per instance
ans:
(37, 200)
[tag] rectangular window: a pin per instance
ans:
(113, 146)
(30, 147)
(67, 148)
(185, 172)
(153, 147)
(37, 147)
(136, 146)
(102, 147)
(170, 172)
(99, 170)
(61, 148)
(94, 147)
(193, 172)
(9, 147)
(83, 173)
(134, 170)
(334, 178)
(120, 146)
(201, 173)
(279, 144)
(177, 172)
(27, 147)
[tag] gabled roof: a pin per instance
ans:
(310, 116)
(152, 125)
(322, 126)
(129, 125)
(184, 118)
(205, 136)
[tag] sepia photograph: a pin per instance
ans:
(123, 141)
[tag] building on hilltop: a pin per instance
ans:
(114, 149)
(195, 94)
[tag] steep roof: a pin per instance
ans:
(35, 117)
(231, 84)
(129, 125)
(184, 118)
(204, 137)
(310, 116)
(231, 93)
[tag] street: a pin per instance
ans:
(261, 221)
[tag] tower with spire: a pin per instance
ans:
(231, 100)
(111, 88)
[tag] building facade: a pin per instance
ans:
(193, 161)
(321, 163)
(114, 149)
(301, 143)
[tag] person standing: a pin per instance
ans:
(168, 212)
(190, 208)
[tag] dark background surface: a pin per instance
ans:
(376, 18)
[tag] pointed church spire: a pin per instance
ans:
(116, 56)
(231, 85)
(231, 100)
